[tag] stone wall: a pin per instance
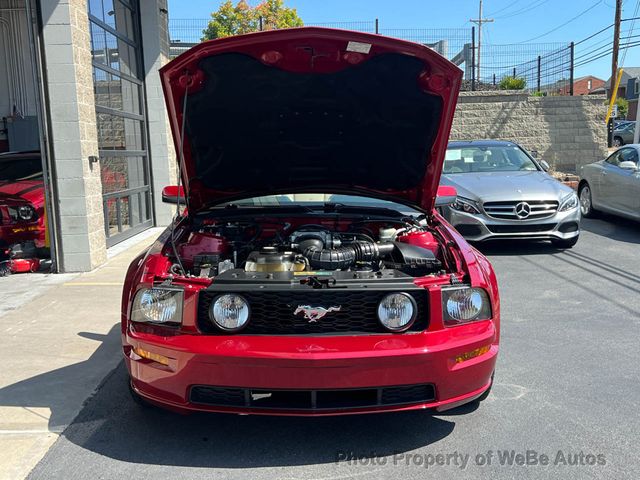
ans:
(565, 131)
(72, 114)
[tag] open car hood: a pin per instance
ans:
(311, 110)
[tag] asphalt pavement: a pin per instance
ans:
(566, 397)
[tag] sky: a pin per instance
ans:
(515, 21)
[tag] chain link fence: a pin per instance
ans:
(546, 68)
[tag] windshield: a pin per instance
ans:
(626, 127)
(501, 158)
(310, 199)
(20, 169)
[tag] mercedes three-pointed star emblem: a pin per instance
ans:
(522, 210)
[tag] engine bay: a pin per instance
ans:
(306, 246)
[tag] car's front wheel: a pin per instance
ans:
(586, 201)
(486, 393)
(617, 142)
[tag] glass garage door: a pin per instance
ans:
(120, 114)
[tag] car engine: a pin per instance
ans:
(274, 247)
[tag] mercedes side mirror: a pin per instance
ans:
(446, 196)
(173, 194)
(545, 165)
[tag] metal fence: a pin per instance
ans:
(545, 67)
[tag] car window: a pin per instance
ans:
(629, 155)
(319, 199)
(614, 158)
(13, 169)
(499, 158)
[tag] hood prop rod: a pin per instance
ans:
(180, 169)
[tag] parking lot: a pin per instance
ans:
(567, 381)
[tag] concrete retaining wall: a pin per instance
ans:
(566, 131)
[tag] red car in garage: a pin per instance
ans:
(21, 176)
(312, 274)
(18, 224)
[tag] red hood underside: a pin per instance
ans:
(311, 110)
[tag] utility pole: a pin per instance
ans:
(479, 21)
(616, 41)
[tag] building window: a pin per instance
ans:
(120, 114)
(589, 85)
(636, 86)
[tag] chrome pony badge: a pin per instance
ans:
(313, 314)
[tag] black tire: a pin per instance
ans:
(487, 391)
(618, 142)
(5, 268)
(564, 244)
(586, 201)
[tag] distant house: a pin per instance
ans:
(628, 89)
(586, 85)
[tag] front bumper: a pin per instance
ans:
(480, 227)
(314, 363)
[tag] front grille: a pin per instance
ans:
(507, 210)
(469, 230)
(272, 312)
(522, 228)
(311, 399)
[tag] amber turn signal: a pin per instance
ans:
(472, 354)
(151, 356)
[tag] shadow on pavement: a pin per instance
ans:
(615, 228)
(516, 247)
(63, 390)
(114, 426)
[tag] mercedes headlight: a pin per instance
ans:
(464, 304)
(568, 203)
(160, 305)
(397, 311)
(229, 312)
(465, 205)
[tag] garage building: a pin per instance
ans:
(79, 84)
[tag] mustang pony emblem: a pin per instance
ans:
(313, 314)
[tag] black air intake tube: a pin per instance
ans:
(342, 257)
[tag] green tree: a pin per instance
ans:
(513, 83)
(241, 18)
(276, 16)
(623, 107)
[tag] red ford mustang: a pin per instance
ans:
(312, 274)
(18, 222)
(21, 176)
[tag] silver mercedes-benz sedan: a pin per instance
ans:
(503, 192)
(612, 185)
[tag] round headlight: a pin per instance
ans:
(26, 212)
(229, 312)
(464, 304)
(397, 311)
(158, 305)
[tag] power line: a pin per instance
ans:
(635, 12)
(526, 9)
(505, 8)
(565, 23)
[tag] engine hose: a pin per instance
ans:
(342, 257)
